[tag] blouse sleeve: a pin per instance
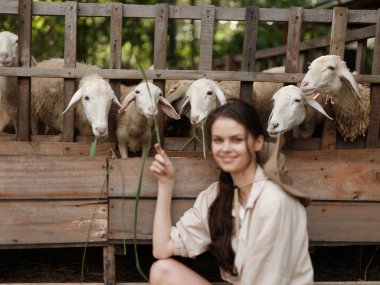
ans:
(191, 235)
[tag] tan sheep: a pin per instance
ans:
(94, 93)
(329, 74)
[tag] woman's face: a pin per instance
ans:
(232, 146)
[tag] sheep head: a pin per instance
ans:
(148, 97)
(203, 96)
(8, 49)
(328, 74)
(289, 110)
(96, 96)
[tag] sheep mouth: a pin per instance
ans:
(5, 63)
(273, 134)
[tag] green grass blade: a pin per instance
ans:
(93, 147)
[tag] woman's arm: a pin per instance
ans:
(163, 170)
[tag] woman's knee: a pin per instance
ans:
(160, 271)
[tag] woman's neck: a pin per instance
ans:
(243, 181)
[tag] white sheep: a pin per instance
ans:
(292, 110)
(8, 84)
(329, 74)
(94, 93)
(135, 117)
(204, 95)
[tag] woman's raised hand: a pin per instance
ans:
(161, 167)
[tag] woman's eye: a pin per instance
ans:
(237, 140)
(86, 98)
(217, 140)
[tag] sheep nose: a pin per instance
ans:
(152, 109)
(4, 55)
(101, 131)
(273, 126)
(194, 119)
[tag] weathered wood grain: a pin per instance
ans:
(207, 37)
(321, 179)
(70, 54)
(24, 84)
(12, 148)
(52, 177)
(64, 222)
(333, 222)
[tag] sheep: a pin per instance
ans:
(8, 84)
(293, 111)
(329, 74)
(135, 117)
(204, 95)
(94, 93)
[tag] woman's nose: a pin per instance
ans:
(226, 146)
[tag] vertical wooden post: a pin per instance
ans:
(337, 45)
(293, 52)
(360, 56)
(374, 119)
(115, 62)
(293, 40)
(249, 51)
(109, 265)
(160, 53)
(70, 55)
(24, 83)
(207, 37)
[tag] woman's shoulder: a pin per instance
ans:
(208, 195)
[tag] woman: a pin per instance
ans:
(255, 229)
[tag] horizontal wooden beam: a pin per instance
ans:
(194, 12)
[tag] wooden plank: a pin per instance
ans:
(293, 40)
(25, 177)
(24, 84)
(333, 222)
(360, 56)
(249, 51)
(184, 12)
(374, 119)
(160, 55)
(70, 53)
(325, 179)
(344, 222)
(337, 45)
(53, 148)
(169, 74)
(338, 31)
(109, 265)
(64, 222)
(190, 177)
(207, 38)
(115, 62)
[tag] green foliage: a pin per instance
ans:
(93, 35)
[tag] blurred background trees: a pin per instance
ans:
(138, 34)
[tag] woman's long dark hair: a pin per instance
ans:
(220, 219)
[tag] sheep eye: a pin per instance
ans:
(297, 100)
(137, 92)
(209, 93)
(331, 68)
(161, 94)
(86, 98)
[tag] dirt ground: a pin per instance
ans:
(344, 263)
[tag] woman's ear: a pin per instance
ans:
(259, 142)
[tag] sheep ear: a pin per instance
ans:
(74, 100)
(184, 107)
(314, 104)
(167, 108)
(116, 101)
(219, 94)
(127, 100)
(349, 80)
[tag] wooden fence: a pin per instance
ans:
(54, 196)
